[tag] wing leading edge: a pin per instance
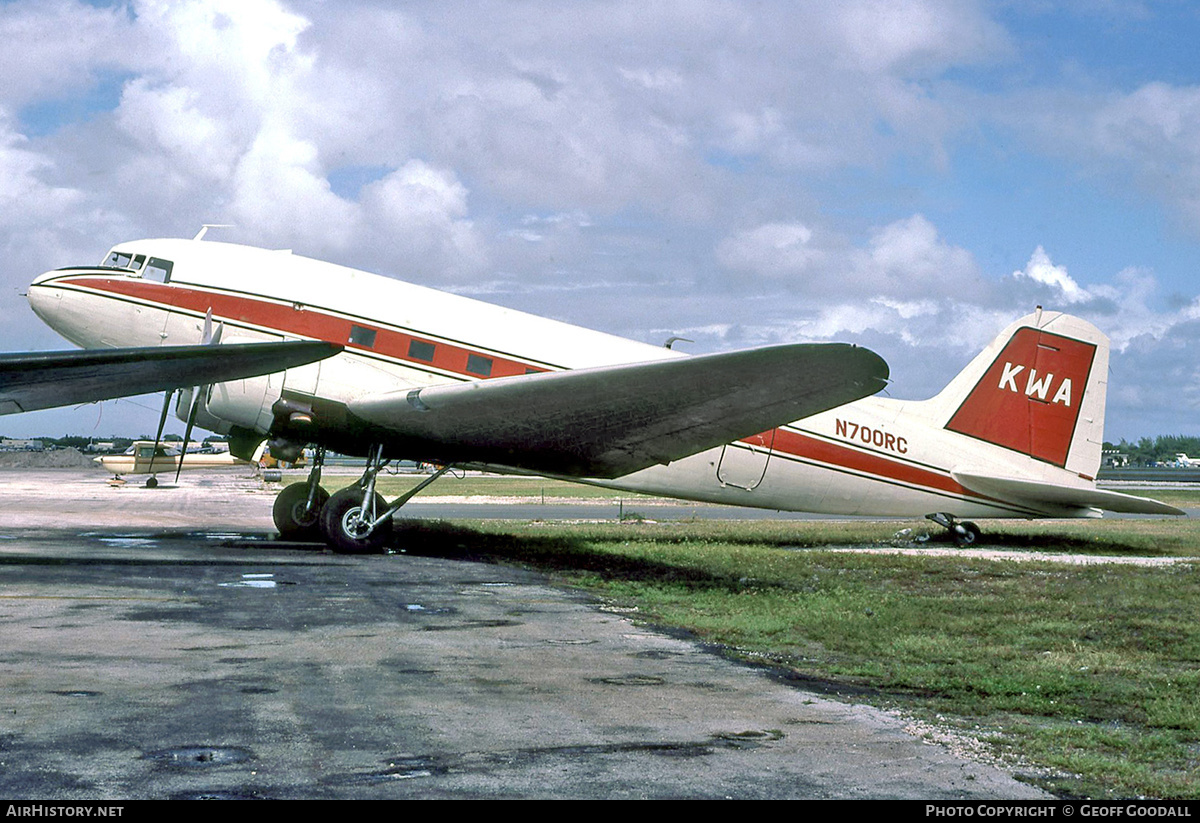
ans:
(610, 421)
(43, 380)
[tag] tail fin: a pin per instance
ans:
(1038, 389)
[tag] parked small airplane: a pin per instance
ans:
(439, 378)
(148, 457)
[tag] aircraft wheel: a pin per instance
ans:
(152, 482)
(342, 529)
(291, 516)
(966, 533)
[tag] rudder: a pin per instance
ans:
(1038, 389)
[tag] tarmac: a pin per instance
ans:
(164, 644)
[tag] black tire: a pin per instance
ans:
(152, 482)
(337, 518)
(291, 517)
(966, 533)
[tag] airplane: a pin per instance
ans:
(433, 377)
(1185, 462)
(149, 457)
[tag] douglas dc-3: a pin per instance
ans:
(439, 378)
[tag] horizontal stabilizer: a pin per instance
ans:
(612, 420)
(43, 380)
(1035, 492)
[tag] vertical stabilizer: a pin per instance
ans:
(1038, 389)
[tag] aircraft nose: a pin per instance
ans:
(42, 278)
(70, 314)
(42, 296)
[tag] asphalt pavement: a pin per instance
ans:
(163, 644)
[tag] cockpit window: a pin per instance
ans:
(124, 260)
(158, 269)
(117, 260)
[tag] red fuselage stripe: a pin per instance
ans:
(306, 321)
(790, 442)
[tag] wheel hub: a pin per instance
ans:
(354, 524)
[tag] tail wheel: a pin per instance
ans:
(347, 530)
(965, 533)
(292, 515)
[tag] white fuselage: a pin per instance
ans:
(876, 456)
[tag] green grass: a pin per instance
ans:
(1086, 674)
(526, 488)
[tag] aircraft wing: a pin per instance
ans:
(42, 380)
(1036, 492)
(609, 421)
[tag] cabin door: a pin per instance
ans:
(743, 464)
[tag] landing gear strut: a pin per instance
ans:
(964, 533)
(357, 520)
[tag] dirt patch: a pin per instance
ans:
(69, 458)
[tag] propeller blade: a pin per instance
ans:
(162, 422)
(187, 432)
(210, 337)
(162, 418)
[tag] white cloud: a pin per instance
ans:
(908, 257)
(774, 250)
(419, 214)
(926, 35)
(1147, 138)
(23, 194)
(1042, 271)
(280, 191)
(58, 48)
(905, 259)
(167, 121)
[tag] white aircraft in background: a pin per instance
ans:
(149, 457)
(438, 378)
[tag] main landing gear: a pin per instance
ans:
(355, 520)
(965, 533)
(297, 509)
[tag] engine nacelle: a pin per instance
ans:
(245, 404)
(204, 420)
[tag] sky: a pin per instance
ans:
(908, 175)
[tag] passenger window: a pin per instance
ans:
(360, 336)
(481, 366)
(420, 350)
(158, 269)
(138, 260)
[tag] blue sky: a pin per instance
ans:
(911, 176)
